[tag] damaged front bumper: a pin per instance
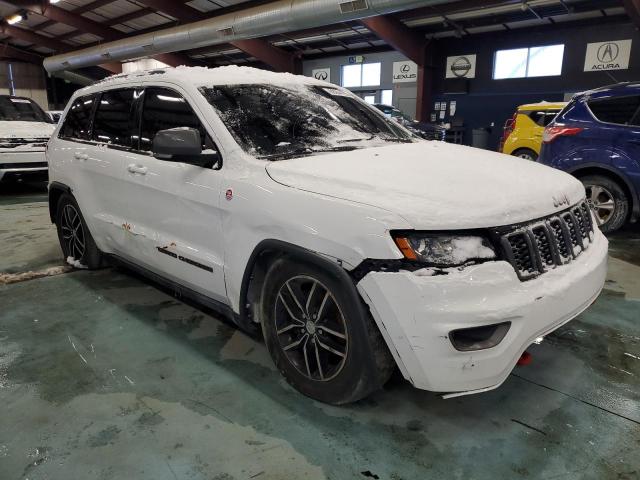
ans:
(417, 314)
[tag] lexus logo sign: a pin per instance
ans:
(405, 72)
(323, 74)
(612, 55)
(461, 66)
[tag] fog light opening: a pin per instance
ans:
(478, 338)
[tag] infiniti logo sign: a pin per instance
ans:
(560, 201)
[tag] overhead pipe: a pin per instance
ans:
(277, 17)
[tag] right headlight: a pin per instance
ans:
(444, 250)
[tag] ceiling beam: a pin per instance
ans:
(47, 42)
(278, 59)
(89, 26)
(10, 52)
(399, 36)
(177, 9)
(633, 10)
(80, 10)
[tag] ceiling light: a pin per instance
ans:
(54, 1)
(16, 17)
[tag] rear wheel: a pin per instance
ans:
(322, 339)
(74, 236)
(526, 154)
(608, 201)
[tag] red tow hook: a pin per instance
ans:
(525, 359)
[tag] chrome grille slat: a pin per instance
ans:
(534, 248)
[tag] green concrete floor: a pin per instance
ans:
(104, 376)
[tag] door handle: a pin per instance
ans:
(81, 156)
(137, 169)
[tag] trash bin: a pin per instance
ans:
(480, 138)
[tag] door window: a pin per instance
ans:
(77, 123)
(113, 119)
(165, 109)
(620, 110)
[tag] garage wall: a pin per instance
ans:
(494, 101)
(28, 81)
(404, 94)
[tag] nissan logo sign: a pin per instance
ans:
(461, 67)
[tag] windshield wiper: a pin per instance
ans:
(361, 139)
(306, 151)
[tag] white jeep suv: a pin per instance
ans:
(303, 214)
(24, 131)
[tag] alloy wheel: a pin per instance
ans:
(310, 328)
(601, 201)
(72, 232)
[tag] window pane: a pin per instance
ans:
(545, 61)
(165, 109)
(510, 63)
(112, 123)
(351, 75)
(370, 99)
(78, 119)
(387, 97)
(615, 110)
(370, 74)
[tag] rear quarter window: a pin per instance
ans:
(619, 110)
(77, 123)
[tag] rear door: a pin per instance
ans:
(619, 117)
(94, 173)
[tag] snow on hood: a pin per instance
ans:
(18, 129)
(434, 185)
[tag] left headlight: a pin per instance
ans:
(444, 250)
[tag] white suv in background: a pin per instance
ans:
(303, 214)
(24, 131)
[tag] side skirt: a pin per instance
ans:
(178, 291)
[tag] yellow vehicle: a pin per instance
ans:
(522, 135)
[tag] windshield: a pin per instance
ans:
(21, 109)
(278, 122)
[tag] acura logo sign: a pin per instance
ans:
(608, 52)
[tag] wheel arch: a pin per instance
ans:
(56, 190)
(615, 175)
(262, 257)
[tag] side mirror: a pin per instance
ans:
(175, 143)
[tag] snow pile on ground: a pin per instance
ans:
(8, 278)
(76, 263)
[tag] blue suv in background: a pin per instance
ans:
(597, 139)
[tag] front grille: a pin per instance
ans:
(19, 142)
(10, 166)
(539, 246)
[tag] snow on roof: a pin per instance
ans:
(201, 76)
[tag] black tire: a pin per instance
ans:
(619, 204)
(89, 253)
(526, 154)
(367, 363)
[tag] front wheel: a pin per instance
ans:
(608, 201)
(321, 337)
(78, 246)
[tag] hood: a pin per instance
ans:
(18, 129)
(435, 185)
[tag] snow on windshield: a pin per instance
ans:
(277, 121)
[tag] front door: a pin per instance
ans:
(174, 216)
